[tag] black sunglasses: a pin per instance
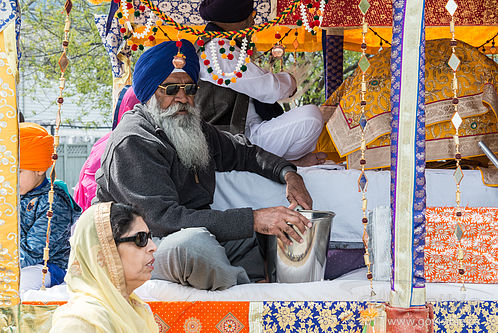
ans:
(173, 88)
(141, 239)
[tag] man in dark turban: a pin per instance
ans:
(162, 159)
(248, 103)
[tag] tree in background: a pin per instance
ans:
(89, 76)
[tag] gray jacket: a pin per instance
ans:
(140, 167)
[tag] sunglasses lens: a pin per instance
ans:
(142, 239)
(190, 89)
(172, 89)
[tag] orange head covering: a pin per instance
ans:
(36, 147)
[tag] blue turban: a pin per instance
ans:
(226, 11)
(155, 65)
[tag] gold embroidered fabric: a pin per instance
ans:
(478, 106)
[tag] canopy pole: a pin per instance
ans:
(408, 153)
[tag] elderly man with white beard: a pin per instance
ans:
(162, 159)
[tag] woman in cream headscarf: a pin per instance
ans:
(101, 276)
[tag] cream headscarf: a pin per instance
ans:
(96, 284)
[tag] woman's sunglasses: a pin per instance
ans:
(141, 239)
(173, 88)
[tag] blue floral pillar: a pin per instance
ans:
(332, 46)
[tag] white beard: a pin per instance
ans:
(184, 131)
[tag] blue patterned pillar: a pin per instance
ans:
(408, 153)
(332, 46)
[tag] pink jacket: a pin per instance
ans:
(86, 188)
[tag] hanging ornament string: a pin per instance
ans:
(364, 64)
(218, 75)
(316, 9)
(123, 15)
(63, 63)
(222, 34)
(126, 8)
(456, 120)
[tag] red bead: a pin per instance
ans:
(461, 271)
(129, 5)
(200, 42)
(44, 270)
(459, 213)
(316, 4)
(151, 38)
(317, 23)
(117, 1)
(278, 36)
(134, 47)
(206, 62)
(142, 8)
(363, 161)
(238, 74)
(60, 100)
(221, 42)
(179, 44)
(55, 157)
(295, 17)
(50, 214)
(364, 220)
(249, 52)
(220, 81)
(123, 30)
(230, 56)
(369, 276)
(65, 43)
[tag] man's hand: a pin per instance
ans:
(273, 221)
(296, 191)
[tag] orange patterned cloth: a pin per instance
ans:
(193, 317)
(479, 242)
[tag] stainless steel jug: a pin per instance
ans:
(302, 262)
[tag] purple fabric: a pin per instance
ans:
(86, 188)
(226, 11)
(333, 60)
(342, 261)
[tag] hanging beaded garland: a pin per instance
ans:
(316, 9)
(126, 8)
(364, 64)
(217, 74)
(63, 63)
(456, 120)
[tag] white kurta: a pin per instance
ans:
(291, 135)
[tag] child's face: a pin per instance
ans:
(28, 180)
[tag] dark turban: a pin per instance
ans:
(155, 65)
(226, 11)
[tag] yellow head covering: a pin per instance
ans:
(36, 147)
(96, 284)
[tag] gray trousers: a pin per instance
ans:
(193, 257)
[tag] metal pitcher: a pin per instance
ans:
(302, 262)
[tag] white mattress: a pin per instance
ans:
(337, 190)
(350, 287)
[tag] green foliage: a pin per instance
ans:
(88, 76)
